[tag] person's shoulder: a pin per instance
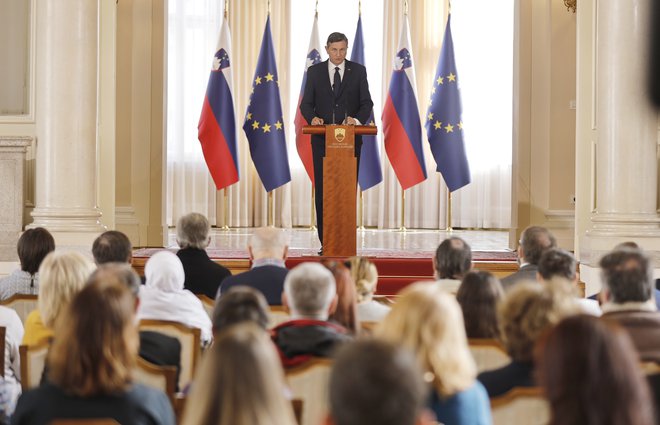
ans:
(153, 401)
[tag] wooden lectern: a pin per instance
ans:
(339, 186)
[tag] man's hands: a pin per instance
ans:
(347, 121)
(317, 121)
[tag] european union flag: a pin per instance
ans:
(370, 173)
(264, 126)
(444, 126)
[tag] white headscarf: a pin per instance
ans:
(163, 296)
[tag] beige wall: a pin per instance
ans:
(543, 181)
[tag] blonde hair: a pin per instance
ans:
(528, 310)
(97, 340)
(429, 321)
(62, 275)
(240, 382)
(365, 276)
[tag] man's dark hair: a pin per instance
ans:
(112, 247)
(557, 262)
(33, 246)
(375, 382)
(627, 275)
(336, 37)
(240, 304)
(534, 241)
(453, 258)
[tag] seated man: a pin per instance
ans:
(373, 382)
(203, 275)
(310, 295)
(453, 259)
(534, 241)
(627, 297)
(112, 247)
(267, 249)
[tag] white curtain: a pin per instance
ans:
(484, 66)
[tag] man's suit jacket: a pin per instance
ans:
(268, 279)
(525, 273)
(203, 275)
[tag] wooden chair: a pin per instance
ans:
(160, 377)
(33, 362)
(190, 345)
(367, 328)
(488, 354)
(278, 314)
(23, 304)
(208, 303)
(520, 406)
(309, 383)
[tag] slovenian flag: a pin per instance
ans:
(304, 141)
(217, 125)
(370, 173)
(401, 122)
(264, 125)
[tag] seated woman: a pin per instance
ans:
(63, 274)
(429, 321)
(346, 312)
(365, 276)
(163, 297)
(590, 373)
(479, 295)
(526, 312)
(240, 382)
(90, 364)
(33, 246)
(240, 304)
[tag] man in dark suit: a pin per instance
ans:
(336, 92)
(267, 249)
(203, 275)
(534, 241)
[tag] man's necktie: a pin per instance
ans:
(337, 82)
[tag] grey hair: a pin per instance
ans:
(310, 289)
(268, 241)
(192, 231)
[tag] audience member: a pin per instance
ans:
(525, 313)
(202, 275)
(62, 275)
(479, 296)
(373, 382)
(10, 384)
(346, 312)
(33, 246)
(90, 365)
(627, 296)
(267, 249)
(558, 268)
(429, 321)
(163, 296)
(365, 276)
(534, 241)
(310, 295)
(453, 259)
(240, 382)
(240, 304)
(112, 247)
(155, 347)
(590, 375)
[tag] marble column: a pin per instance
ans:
(12, 176)
(66, 117)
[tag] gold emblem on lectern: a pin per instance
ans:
(340, 134)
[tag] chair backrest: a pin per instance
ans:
(190, 345)
(520, 406)
(488, 354)
(33, 362)
(160, 377)
(208, 303)
(309, 383)
(23, 304)
(278, 314)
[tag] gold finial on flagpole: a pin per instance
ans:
(449, 6)
(316, 9)
(359, 7)
(226, 8)
(268, 7)
(405, 7)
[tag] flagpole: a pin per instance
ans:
(225, 197)
(226, 8)
(449, 228)
(270, 220)
(361, 216)
(402, 228)
(312, 227)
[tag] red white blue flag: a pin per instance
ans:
(401, 122)
(217, 123)
(304, 141)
